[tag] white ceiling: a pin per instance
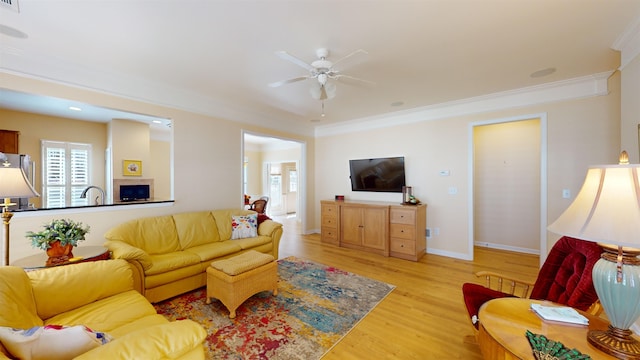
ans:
(217, 57)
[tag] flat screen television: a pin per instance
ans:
(379, 174)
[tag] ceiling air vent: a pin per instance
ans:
(10, 4)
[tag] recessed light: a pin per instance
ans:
(397, 103)
(543, 72)
(75, 108)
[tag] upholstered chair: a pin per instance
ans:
(260, 205)
(565, 278)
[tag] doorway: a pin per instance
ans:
(508, 184)
(283, 188)
(275, 167)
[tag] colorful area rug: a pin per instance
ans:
(315, 307)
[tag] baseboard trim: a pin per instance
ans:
(506, 247)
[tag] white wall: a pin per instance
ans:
(581, 132)
(208, 160)
(631, 109)
(207, 170)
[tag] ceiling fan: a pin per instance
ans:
(322, 70)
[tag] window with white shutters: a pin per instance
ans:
(67, 169)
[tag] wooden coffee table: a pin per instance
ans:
(80, 254)
(504, 321)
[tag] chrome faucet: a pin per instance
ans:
(84, 194)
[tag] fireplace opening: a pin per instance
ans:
(134, 192)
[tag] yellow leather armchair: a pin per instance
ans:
(99, 295)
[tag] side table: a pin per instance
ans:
(80, 254)
(504, 322)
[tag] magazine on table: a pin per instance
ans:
(563, 314)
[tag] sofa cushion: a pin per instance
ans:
(171, 261)
(107, 314)
(244, 226)
(122, 250)
(249, 243)
(152, 281)
(268, 227)
(196, 228)
(135, 325)
(51, 285)
(16, 299)
(51, 342)
(242, 263)
(164, 341)
(155, 235)
(208, 252)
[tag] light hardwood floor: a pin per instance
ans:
(424, 317)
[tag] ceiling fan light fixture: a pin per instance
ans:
(330, 88)
(322, 79)
(329, 91)
(321, 71)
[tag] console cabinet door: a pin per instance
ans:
(375, 233)
(351, 226)
(365, 227)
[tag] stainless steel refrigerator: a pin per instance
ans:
(29, 168)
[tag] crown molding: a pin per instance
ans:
(628, 43)
(577, 88)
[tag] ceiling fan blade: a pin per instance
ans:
(286, 56)
(353, 80)
(280, 83)
(359, 51)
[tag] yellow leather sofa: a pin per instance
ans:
(100, 296)
(171, 253)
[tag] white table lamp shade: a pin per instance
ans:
(607, 208)
(14, 184)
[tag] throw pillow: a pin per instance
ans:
(51, 342)
(262, 217)
(244, 226)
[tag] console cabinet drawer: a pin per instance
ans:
(330, 235)
(403, 246)
(329, 210)
(402, 231)
(402, 216)
(330, 221)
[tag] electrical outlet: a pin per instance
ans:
(436, 231)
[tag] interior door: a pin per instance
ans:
(275, 207)
(290, 187)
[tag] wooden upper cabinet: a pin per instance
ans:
(9, 141)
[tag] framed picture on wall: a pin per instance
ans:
(132, 168)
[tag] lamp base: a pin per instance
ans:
(615, 342)
(6, 218)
